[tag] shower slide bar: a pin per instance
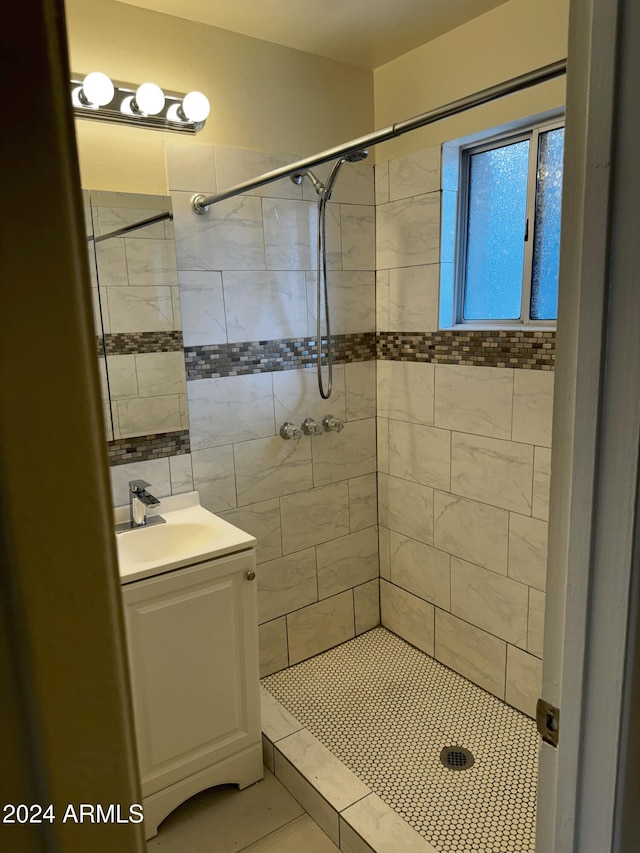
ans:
(200, 203)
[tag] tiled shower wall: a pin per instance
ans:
(247, 284)
(463, 456)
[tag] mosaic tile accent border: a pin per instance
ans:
(142, 448)
(240, 359)
(127, 343)
(386, 710)
(528, 350)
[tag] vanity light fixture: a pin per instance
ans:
(96, 96)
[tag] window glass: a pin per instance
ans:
(495, 235)
(546, 246)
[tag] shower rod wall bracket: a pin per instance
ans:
(200, 202)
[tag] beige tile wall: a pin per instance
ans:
(247, 273)
(464, 469)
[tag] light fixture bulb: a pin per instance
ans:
(195, 106)
(149, 99)
(98, 89)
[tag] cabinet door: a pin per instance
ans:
(193, 654)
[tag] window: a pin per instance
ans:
(509, 228)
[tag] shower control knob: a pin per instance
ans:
(330, 423)
(290, 430)
(311, 427)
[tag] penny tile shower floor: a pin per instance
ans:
(387, 710)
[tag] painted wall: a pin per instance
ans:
(263, 96)
(512, 39)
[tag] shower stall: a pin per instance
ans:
(412, 540)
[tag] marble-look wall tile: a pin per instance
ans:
(160, 373)
(347, 562)
(234, 408)
(408, 232)
(405, 391)
(116, 210)
(265, 305)
(382, 300)
(415, 174)
(148, 415)
(269, 467)
(496, 472)
(448, 224)
(524, 680)
(315, 516)
(154, 471)
(346, 454)
(407, 616)
(360, 381)
(261, 520)
(181, 471)
(286, 584)
(236, 165)
(382, 440)
(289, 234)
(202, 307)
(363, 502)
(272, 639)
(533, 406)
(476, 400)
(413, 299)
(352, 298)
(151, 262)
(472, 531)
(421, 570)
(296, 396)
(382, 183)
(123, 379)
(190, 167)
(420, 453)
(213, 477)
(535, 634)
(140, 309)
(320, 626)
(370, 824)
(355, 185)
(490, 601)
(528, 542)
(111, 261)
(228, 237)
(406, 508)
(358, 226)
(541, 482)
(473, 653)
(366, 600)
(384, 550)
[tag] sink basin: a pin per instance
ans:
(190, 535)
(166, 541)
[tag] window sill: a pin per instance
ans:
(498, 327)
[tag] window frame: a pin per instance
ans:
(529, 132)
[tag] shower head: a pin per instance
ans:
(353, 157)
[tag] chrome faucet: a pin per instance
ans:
(139, 500)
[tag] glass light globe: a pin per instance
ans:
(195, 106)
(150, 98)
(98, 88)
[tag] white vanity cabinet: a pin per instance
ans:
(193, 653)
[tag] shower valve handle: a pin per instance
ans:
(290, 430)
(311, 427)
(330, 423)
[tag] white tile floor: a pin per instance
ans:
(386, 711)
(263, 818)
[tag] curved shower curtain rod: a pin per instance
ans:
(200, 203)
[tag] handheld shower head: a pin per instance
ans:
(356, 156)
(353, 157)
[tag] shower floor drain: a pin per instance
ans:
(456, 758)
